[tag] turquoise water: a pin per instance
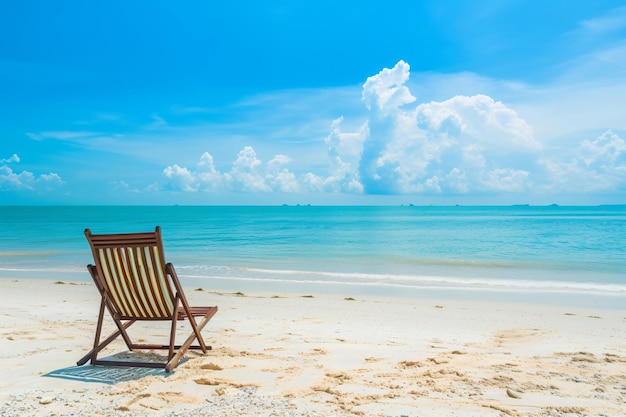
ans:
(368, 249)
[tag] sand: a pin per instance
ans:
(322, 355)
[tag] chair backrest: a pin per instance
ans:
(131, 268)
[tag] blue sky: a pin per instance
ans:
(313, 102)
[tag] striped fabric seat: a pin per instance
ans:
(135, 278)
(135, 284)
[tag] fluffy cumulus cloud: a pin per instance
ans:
(386, 92)
(596, 165)
(278, 176)
(11, 180)
(13, 158)
(203, 178)
(343, 152)
(248, 174)
(463, 145)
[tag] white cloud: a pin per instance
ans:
(180, 178)
(25, 180)
(597, 165)
(386, 91)
(247, 174)
(466, 144)
(208, 177)
(507, 179)
(346, 144)
(312, 182)
(613, 21)
(456, 180)
(13, 158)
(343, 152)
(605, 152)
(13, 181)
(61, 135)
(479, 117)
(278, 177)
(204, 178)
(459, 145)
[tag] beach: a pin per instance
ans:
(289, 354)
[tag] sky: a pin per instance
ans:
(474, 102)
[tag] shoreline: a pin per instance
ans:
(325, 354)
(581, 294)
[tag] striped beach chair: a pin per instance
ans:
(136, 284)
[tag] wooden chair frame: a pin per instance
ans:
(135, 284)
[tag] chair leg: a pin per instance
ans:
(185, 346)
(98, 330)
(173, 330)
(93, 353)
(99, 345)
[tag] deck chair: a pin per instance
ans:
(136, 284)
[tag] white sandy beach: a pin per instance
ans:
(324, 355)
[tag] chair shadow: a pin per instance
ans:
(112, 375)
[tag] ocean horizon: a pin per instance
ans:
(550, 253)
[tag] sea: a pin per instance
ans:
(550, 254)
